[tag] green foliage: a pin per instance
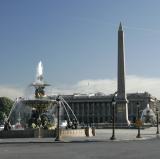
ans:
(5, 107)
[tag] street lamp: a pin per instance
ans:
(157, 111)
(113, 117)
(138, 121)
(58, 118)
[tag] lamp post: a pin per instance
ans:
(58, 118)
(138, 121)
(113, 117)
(157, 111)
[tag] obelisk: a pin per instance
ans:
(121, 106)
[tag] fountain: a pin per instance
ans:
(35, 111)
(148, 117)
(37, 116)
(40, 104)
(18, 125)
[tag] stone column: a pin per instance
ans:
(103, 112)
(93, 112)
(87, 113)
(121, 106)
(83, 112)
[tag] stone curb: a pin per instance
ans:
(76, 141)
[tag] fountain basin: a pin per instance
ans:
(42, 133)
(39, 104)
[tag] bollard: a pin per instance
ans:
(93, 131)
(86, 131)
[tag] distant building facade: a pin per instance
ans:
(97, 109)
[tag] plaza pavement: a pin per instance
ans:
(102, 135)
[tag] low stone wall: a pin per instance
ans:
(72, 132)
(27, 133)
(42, 133)
(17, 134)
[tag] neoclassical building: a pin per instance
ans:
(97, 109)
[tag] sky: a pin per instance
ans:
(76, 40)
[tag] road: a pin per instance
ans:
(143, 149)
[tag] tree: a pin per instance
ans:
(5, 107)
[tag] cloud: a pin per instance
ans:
(142, 84)
(134, 84)
(10, 91)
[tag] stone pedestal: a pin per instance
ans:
(122, 113)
